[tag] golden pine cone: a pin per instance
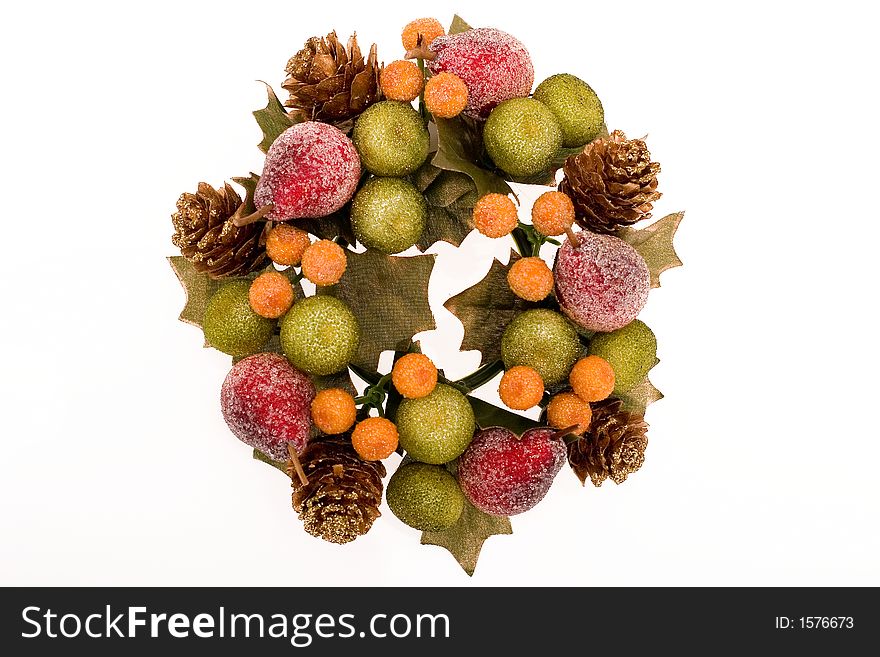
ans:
(612, 183)
(206, 236)
(613, 447)
(344, 492)
(332, 83)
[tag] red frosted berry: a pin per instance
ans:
(602, 284)
(267, 403)
(494, 65)
(503, 474)
(312, 169)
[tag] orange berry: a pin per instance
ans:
(552, 213)
(374, 438)
(286, 244)
(414, 376)
(521, 387)
(446, 95)
(324, 262)
(530, 279)
(567, 409)
(495, 215)
(429, 28)
(271, 295)
(333, 411)
(402, 80)
(592, 378)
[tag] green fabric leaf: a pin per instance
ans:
(639, 398)
(458, 149)
(654, 243)
(458, 25)
(485, 310)
(335, 225)
(389, 297)
(272, 119)
(198, 288)
(339, 380)
(451, 196)
(488, 415)
(465, 539)
(278, 465)
(249, 184)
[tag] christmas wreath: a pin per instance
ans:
(365, 161)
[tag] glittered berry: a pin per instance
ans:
(494, 65)
(521, 388)
(333, 411)
(320, 335)
(631, 352)
(324, 263)
(495, 215)
(602, 283)
(312, 169)
(286, 244)
(592, 379)
(425, 497)
(552, 213)
(414, 376)
(568, 410)
(436, 428)
(542, 339)
(576, 107)
(446, 95)
(402, 80)
(391, 139)
(530, 279)
(388, 214)
(522, 136)
(374, 438)
(503, 474)
(230, 323)
(428, 28)
(270, 295)
(266, 404)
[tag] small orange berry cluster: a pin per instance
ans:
(445, 95)
(323, 263)
(334, 411)
(591, 380)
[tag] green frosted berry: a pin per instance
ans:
(231, 326)
(576, 107)
(425, 497)
(319, 335)
(522, 136)
(436, 428)
(388, 214)
(631, 351)
(544, 340)
(391, 139)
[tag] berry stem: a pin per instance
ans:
(297, 466)
(243, 220)
(480, 377)
(420, 52)
(572, 237)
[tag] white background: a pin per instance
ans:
(116, 466)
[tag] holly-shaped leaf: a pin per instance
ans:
(272, 119)
(389, 297)
(458, 25)
(640, 397)
(465, 539)
(198, 287)
(488, 415)
(654, 243)
(485, 310)
(451, 196)
(458, 149)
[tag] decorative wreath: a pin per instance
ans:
(355, 173)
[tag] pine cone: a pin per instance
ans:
(343, 495)
(614, 446)
(612, 183)
(331, 83)
(206, 236)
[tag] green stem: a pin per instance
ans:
(480, 377)
(422, 109)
